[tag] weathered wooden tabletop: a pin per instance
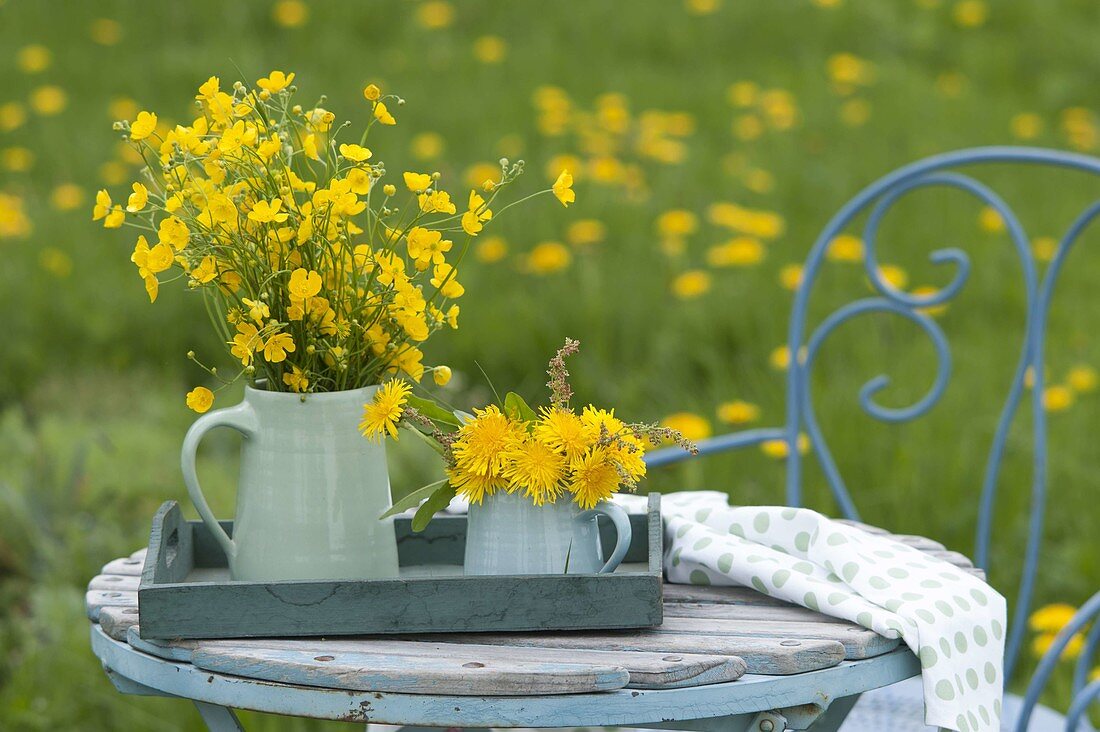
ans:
(713, 637)
(710, 636)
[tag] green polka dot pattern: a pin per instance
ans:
(952, 620)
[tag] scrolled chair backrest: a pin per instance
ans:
(804, 343)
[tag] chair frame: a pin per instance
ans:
(803, 344)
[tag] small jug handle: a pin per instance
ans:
(240, 418)
(622, 532)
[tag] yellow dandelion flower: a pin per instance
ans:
(990, 221)
(382, 413)
(1083, 378)
(33, 59)
(48, 100)
(564, 431)
(200, 399)
(594, 478)
(690, 425)
(738, 412)
(105, 31)
(778, 448)
(290, 13)
(491, 249)
(677, 223)
(435, 14)
(742, 251)
(490, 49)
(585, 232)
(482, 442)
(548, 257)
(932, 310)
(691, 284)
(1051, 618)
(66, 197)
(894, 276)
(1057, 398)
(473, 487)
(427, 146)
(536, 468)
(1026, 126)
(790, 277)
(970, 13)
(1043, 642)
(1044, 248)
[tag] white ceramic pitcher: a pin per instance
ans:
(507, 534)
(310, 492)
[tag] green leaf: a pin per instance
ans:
(433, 411)
(413, 499)
(516, 408)
(438, 501)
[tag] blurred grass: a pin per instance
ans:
(91, 399)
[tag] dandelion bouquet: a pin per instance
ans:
(551, 455)
(319, 275)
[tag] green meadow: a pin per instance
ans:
(710, 141)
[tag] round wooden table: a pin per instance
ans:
(725, 658)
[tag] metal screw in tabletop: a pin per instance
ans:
(767, 725)
(786, 643)
(673, 658)
(323, 658)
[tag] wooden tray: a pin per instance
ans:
(185, 590)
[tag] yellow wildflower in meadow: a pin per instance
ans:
(691, 284)
(316, 282)
(738, 412)
(549, 455)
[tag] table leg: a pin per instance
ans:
(835, 715)
(218, 718)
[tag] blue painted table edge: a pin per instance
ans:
(627, 707)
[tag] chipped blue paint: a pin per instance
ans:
(693, 708)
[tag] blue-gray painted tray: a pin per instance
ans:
(185, 590)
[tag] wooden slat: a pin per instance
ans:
(410, 674)
(647, 670)
(917, 542)
(769, 656)
(713, 593)
(125, 566)
(858, 642)
(110, 582)
(116, 621)
(96, 600)
(865, 527)
(726, 611)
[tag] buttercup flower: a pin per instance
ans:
(143, 126)
(563, 188)
(200, 399)
(275, 82)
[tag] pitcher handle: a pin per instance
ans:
(240, 418)
(622, 532)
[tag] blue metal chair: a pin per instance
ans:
(876, 200)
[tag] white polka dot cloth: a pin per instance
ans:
(952, 620)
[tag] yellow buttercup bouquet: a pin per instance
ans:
(321, 271)
(550, 455)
